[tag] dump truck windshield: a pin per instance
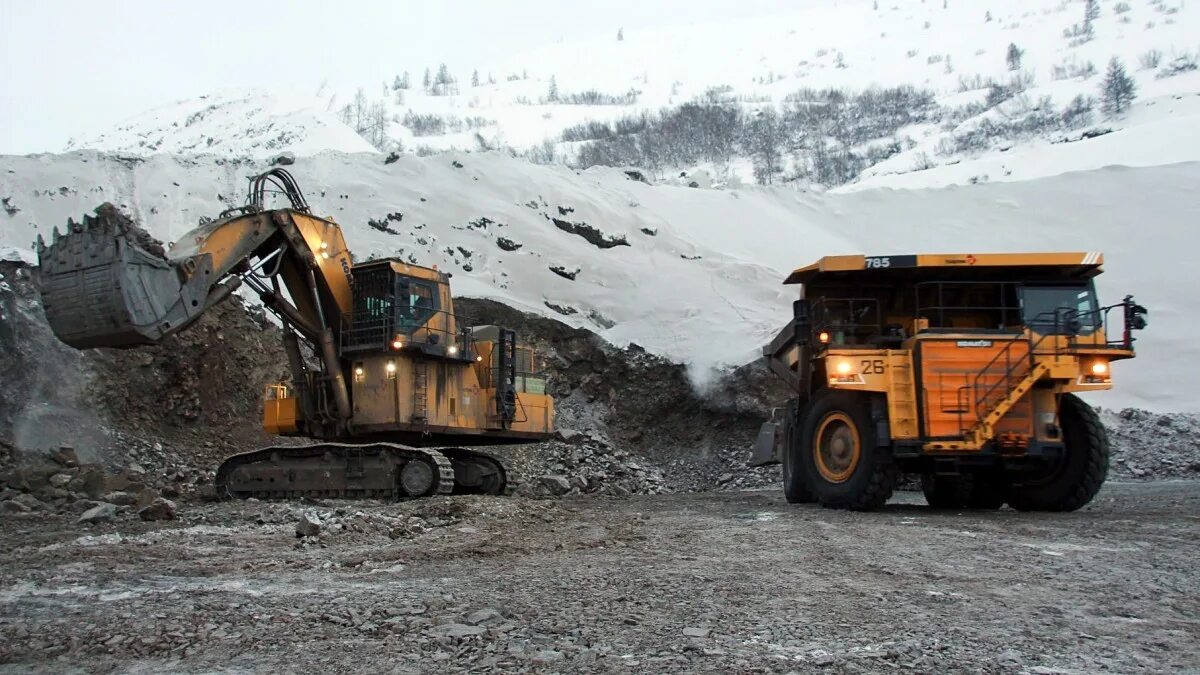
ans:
(1050, 308)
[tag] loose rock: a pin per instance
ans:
(99, 513)
(309, 525)
(159, 509)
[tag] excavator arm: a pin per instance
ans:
(105, 283)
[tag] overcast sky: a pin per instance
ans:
(77, 67)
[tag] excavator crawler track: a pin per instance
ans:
(337, 471)
(358, 471)
(478, 472)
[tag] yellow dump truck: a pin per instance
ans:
(963, 368)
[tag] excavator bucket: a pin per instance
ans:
(106, 283)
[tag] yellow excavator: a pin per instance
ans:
(392, 387)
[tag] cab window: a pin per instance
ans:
(1049, 308)
(415, 303)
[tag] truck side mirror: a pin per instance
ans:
(1135, 314)
(801, 321)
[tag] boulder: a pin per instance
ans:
(13, 507)
(483, 616)
(30, 502)
(66, 456)
(92, 481)
(145, 497)
(59, 480)
(159, 509)
(120, 498)
(555, 485)
(100, 513)
(309, 525)
(458, 630)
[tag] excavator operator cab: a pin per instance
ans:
(403, 307)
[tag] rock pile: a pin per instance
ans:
(1152, 446)
(583, 463)
(59, 483)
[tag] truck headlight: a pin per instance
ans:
(843, 367)
(1099, 368)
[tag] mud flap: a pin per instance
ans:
(100, 289)
(766, 445)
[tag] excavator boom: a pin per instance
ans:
(106, 283)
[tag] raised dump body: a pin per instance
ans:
(961, 368)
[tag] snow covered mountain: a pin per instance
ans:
(996, 114)
(232, 124)
(975, 133)
(691, 274)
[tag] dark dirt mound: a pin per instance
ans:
(188, 402)
(629, 421)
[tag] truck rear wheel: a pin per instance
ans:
(1075, 479)
(840, 455)
(795, 484)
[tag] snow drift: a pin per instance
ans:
(697, 279)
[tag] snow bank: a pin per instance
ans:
(253, 123)
(699, 281)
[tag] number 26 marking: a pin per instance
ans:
(872, 367)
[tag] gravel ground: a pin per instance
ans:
(707, 582)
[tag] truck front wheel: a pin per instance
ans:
(844, 463)
(1076, 478)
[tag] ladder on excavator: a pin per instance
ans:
(420, 391)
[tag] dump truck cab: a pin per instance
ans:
(961, 368)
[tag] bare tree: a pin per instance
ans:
(443, 82)
(764, 140)
(1014, 56)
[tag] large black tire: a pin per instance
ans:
(982, 490)
(988, 490)
(795, 483)
(945, 492)
(1073, 481)
(839, 454)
